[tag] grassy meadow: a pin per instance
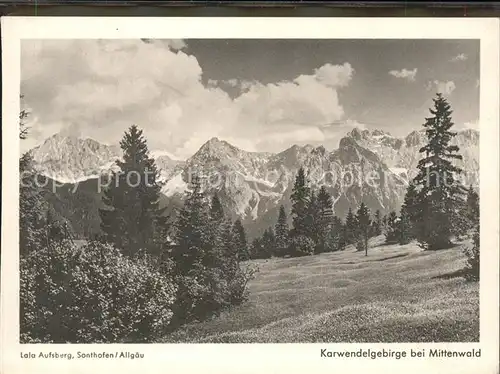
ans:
(395, 294)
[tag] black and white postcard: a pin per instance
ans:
(173, 188)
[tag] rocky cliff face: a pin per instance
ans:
(254, 185)
(368, 166)
(401, 155)
(70, 159)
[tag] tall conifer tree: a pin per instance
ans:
(472, 212)
(192, 256)
(300, 203)
(312, 218)
(404, 228)
(216, 210)
(281, 233)
(391, 232)
(377, 223)
(336, 238)
(217, 231)
(240, 241)
(268, 243)
(409, 215)
(324, 219)
(473, 254)
(363, 221)
(32, 218)
(133, 217)
(440, 195)
(191, 233)
(350, 227)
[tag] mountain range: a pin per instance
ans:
(369, 166)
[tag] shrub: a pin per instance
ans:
(238, 291)
(204, 292)
(91, 294)
(210, 292)
(301, 245)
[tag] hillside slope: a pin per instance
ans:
(396, 294)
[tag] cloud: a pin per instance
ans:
(459, 57)
(232, 82)
(174, 44)
(246, 84)
(409, 75)
(308, 100)
(98, 88)
(212, 82)
(445, 88)
(334, 75)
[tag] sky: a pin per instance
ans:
(259, 95)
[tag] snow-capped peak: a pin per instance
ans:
(73, 159)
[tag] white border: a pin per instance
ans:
(251, 358)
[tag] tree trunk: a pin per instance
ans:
(366, 244)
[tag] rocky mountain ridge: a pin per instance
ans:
(369, 166)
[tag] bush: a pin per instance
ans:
(301, 245)
(91, 294)
(471, 271)
(205, 292)
(238, 291)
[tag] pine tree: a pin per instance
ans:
(219, 233)
(240, 241)
(391, 233)
(193, 256)
(257, 250)
(32, 208)
(411, 205)
(336, 238)
(404, 228)
(268, 243)
(384, 223)
(300, 203)
(312, 219)
(363, 221)
(472, 212)
(377, 223)
(324, 220)
(216, 210)
(472, 268)
(56, 229)
(440, 195)
(264, 246)
(224, 248)
(32, 218)
(350, 228)
(281, 232)
(133, 218)
(192, 233)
